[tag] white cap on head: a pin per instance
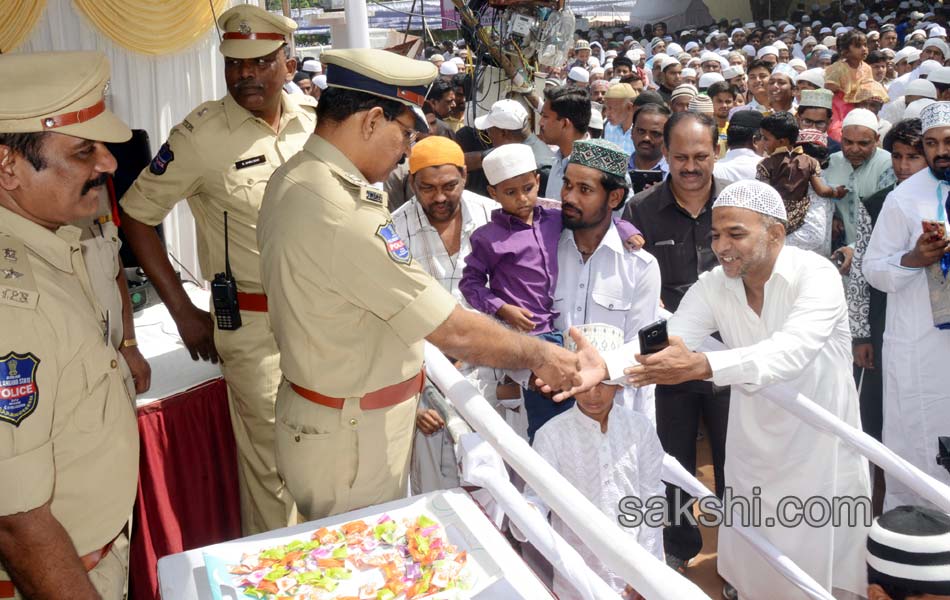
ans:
(312, 66)
(862, 117)
(779, 44)
(504, 114)
(914, 108)
(749, 50)
(448, 68)
(508, 161)
(939, 44)
(596, 120)
(601, 336)
(707, 79)
(941, 75)
(786, 70)
(688, 72)
(579, 74)
(766, 50)
(709, 57)
(753, 195)
(798, 64)
(927, 67)
(691, 45)
(921, 87)
(732, 71)
(933, 115)
(320, 81)
(908, 53)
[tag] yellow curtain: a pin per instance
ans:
(17, 20)
(152, 26)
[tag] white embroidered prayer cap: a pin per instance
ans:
(601, 336)
(862, 117)
(753, 195)
(935, 115)
(508, 161)
(914, 108)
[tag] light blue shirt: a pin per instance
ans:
(616, 135)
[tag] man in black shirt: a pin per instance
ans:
(675, 218)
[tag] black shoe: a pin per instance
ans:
(729, 592)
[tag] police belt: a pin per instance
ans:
(89, 562)
(252, 302)
(381, 398)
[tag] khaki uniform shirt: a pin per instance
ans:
(67, 427)
(100, 250)
(220, 158)
(348, 305)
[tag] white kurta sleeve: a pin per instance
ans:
(784, 355)
(894, 235)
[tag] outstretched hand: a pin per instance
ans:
(674, 364)
(593, 370)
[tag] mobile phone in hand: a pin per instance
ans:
(654, 337)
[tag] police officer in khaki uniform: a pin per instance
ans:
(220, 158)
(68, 438)
(350, 307)
(100, 251)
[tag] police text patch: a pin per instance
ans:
(19, 394)
(160, 163)
(395, 247)
(250, 162)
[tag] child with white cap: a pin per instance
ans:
(511, 272)
(608, 453)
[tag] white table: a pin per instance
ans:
(183, 576)
(173, 370)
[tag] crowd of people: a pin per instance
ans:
(780, 188)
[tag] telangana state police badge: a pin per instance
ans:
(19, 395)
(397, 249)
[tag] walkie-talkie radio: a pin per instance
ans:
(224, 292)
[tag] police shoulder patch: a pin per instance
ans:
(371, 194)
(19, 394)
(397, 249)
(159, 164)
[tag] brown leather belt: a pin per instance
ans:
(381, 398)
(89, 562)
(252, 302)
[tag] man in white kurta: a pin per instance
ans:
(783, 318)
(599, 280)
(915, 353)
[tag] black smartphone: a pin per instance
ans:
(654, 338)
(641, 179)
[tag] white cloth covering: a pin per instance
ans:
(916, 353)
(803, 338)
(604, 467)
(737, 165)
(614, 286)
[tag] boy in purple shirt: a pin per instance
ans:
(515, 254)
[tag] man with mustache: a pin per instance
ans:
(437, 225)
(902, 259)
(220, 157)
(599, 280)
(68, 439)
(675, 219)
(782, 317)
(350, 306)
(647, 134)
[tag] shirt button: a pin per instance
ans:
(353, 422)
(582, 286)
(250, 181)
(113, 364)
(578, 309)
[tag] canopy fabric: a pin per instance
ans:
(17, 20)
(150, 27)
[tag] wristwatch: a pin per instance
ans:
(130, 343)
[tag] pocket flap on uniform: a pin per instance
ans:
(611, 300)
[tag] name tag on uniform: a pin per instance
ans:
(250, 162)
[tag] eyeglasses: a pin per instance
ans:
(408, 131)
